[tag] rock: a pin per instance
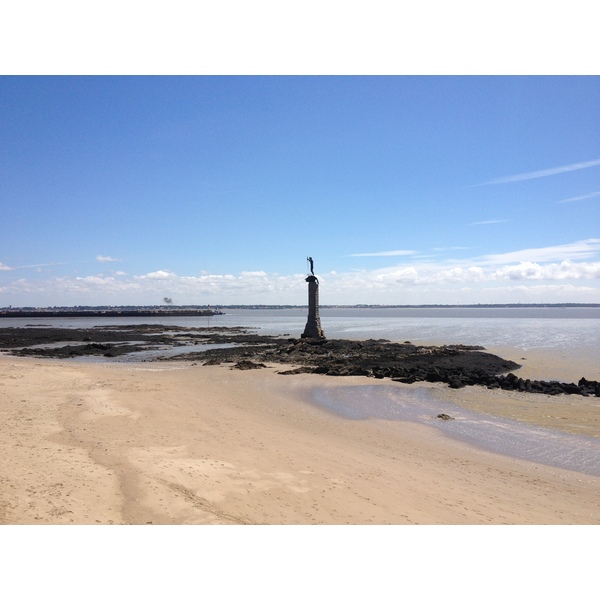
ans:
(570, 388)
(297, 371)
(456, 383)
(246, 365)
(445, 417)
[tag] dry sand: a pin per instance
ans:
(175, 443)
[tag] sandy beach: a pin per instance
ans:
(180, 443)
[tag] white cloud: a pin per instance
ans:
(578, 198)
(406, 275)
(387, 253)
(574, 251)
(573, 269)
(157, 275)
(38, 267)
(544, 172)
(553, 271)
(253, 274)
(457, 275)
(490, 222)
(104, 259)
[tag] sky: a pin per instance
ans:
(214, 190)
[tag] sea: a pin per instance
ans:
(564, 335)
(567, 339)
(530, 327)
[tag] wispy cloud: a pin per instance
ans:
(387, 253)
(578, 198)
(574, 251)
(490, 222)
(543, 173)
(37, 266)
(104, 259)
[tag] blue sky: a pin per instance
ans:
(215, 189)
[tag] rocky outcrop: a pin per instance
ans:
(247, 365)
(455, 365)
(552, 388)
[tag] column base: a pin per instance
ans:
(313, 330)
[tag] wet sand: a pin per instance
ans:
(560, 364)
(569, 413)
(176, 443)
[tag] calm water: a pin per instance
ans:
(568, 338)
(576, 329)
(524, 328)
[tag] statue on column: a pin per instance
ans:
(313, 327)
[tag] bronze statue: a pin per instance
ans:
(310, 260)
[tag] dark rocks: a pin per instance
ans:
(113, 340)
(552, 388)
(456, 383)
(455, 365)
(588, 388)
(70, 351)
(298, 371)
(445, 417)
(212, 362)
(246, 365)
(406, 363)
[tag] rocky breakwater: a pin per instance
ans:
(511, 382)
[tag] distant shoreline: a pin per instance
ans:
(207, 311)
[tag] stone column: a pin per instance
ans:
(313, 329)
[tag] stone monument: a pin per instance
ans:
(313, 329)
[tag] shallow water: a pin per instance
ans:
(495, 434)
(526, 328)
(567, 336)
